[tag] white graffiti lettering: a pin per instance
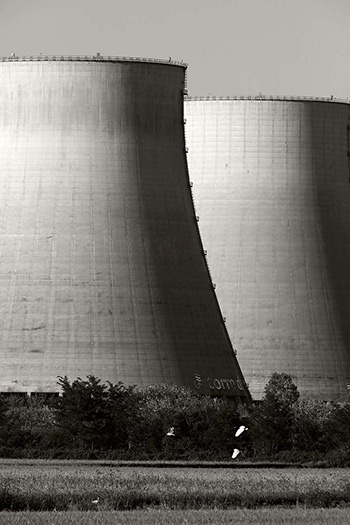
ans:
(197, 381)
(216, 383)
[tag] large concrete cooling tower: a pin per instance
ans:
(272, 190)
(102, 269)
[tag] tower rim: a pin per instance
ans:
(268, 98)
(92, 58)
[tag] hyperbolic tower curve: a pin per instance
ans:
(102, 269)
(271, 187)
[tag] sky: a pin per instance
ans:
(232, 47)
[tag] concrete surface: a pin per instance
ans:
(272, 189)
(101, 266)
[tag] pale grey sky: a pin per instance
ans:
(232, 47)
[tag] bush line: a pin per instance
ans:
(92, 420)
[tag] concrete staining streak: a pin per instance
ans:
(271, 186)
(102, 268)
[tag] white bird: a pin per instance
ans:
(235, 453)
(240, 431)
(96, 501)
(171, 431)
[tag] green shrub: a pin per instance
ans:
(202, 426)
(96, 421)
(271, 422)
(311, 419)
(27, 422)
(93, 415)
(337, 427)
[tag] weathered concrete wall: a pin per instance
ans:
(271, 187)
(101, 266)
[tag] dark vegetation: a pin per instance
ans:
(93, 420)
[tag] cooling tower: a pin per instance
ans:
(102, 269)
(271, 187)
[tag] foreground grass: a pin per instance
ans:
(271, 516)
(72, 487)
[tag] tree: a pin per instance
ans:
(3, 420)
(82, 411)
(124, 403)
(28, 422)
(338, 426)
(312, 418)
(272, 421)
(96, 415)
(203, 427)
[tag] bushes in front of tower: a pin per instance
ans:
(26, 423)
(159, 422)
(111, 421)
(286, 427)
(93, 416)
(272, 421)
(96, 420)
(176, 423)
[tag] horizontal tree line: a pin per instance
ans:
(96, 420)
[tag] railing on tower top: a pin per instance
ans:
(95, 58)
(271, 97)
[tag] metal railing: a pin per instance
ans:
(271, 98)
(93, 58)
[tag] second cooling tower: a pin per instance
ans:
(272, 190)
(102, 270)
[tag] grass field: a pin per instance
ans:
(72, 486)
(271, 516)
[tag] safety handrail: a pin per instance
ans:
(284, 98)
(91, 58)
